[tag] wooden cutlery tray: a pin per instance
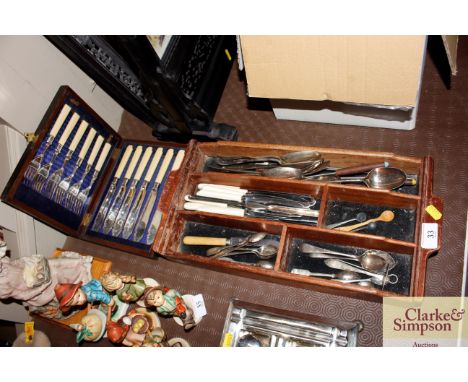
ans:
(403, 238)
(413, 234)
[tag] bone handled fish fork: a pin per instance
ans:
(125, 209)
(64, 185)
(43, 171)
(75, 188)
(117, 203)
(83, 195)
(36, 162)
(55, 178)
(135, 212)
(110, 193)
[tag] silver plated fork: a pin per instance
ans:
(35, 164)
(75, 188)
(61, 191)
(43, 172)
(83, 195)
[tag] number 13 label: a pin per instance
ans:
(429, 237)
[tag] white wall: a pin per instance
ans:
(31, 71)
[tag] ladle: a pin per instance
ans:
(372, 260)
(382, 178)
(386, 216)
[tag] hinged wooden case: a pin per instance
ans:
(402, 238)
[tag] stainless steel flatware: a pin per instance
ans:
(377, 278)
(64, 185)
(83, 195)
(43, 171)
(54, 180)
(117, 203)
(73, 191)
(125, 209)
(103, 209)
(135, 211)
(37, 160)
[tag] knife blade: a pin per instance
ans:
(112, 215)
(110, 193)
(126, 206)
(135, 211)
(141, 227)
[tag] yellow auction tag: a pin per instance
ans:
(29, 331)
(434, 212)
(227, 343)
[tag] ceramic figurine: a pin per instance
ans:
(169, 302)
(92, 326)
(70, 295)
(127, 288)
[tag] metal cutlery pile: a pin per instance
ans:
(373, 264)
(236, 201)
(255, 245)
(69, 184)
(250, 328)
(128, 209)
(309, 165)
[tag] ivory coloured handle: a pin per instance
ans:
(135, 158)
(143, 163)
(165, 165)
(220, 195)
(78, 135)
(178, 160)
(59, 121)
(123, 161)
(205, 240)
(103, 156)
(89, 139)
(96, 148)
(153, 165)
(213, 209)
(70, 126)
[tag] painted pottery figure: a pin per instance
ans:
(127, 288)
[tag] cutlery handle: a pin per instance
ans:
(214, 209)
(358, 169)
(178, 160)
(78, 135)
(96, 147)
(143, 163)
(222, 188)
(205, 240)
(59, 121)
(103, 156)
(219, 195)
(153, 165)
(135, 158)
(164, 166)
(70, 125)
(349, 228)
(305, 272)
(89, 139)
(123, 161)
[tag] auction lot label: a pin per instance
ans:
(425, 321)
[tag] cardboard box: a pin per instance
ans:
(359, 80)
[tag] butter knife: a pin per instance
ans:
(114, 210)
(135, 211)
(110, 193)
(157, 216)
(125, 209)
(141, 226)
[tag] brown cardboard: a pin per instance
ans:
(451, 44)
(383, 70)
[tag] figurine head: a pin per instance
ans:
(154, 296)
(111, 281)
(69, 295)
(92, 327)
